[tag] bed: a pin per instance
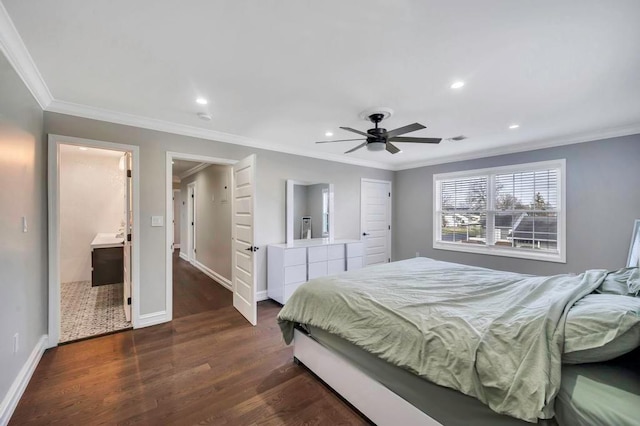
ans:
(406, 343)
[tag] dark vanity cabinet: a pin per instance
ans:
(107, 266)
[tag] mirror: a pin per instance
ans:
(309, 210)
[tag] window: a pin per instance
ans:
(515, 211)
(325, 212)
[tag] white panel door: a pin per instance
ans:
(244, 251)
(191, 222)
(375, 220)
(128, 220)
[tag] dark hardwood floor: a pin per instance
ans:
(208, 366)
(194, 292)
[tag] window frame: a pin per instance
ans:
(490, 249)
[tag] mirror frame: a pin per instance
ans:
(289, 209)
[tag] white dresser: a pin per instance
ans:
(289, 265)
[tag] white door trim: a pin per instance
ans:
(54, 227)
(389, 211)
(191, 222)
(171, 156)
(173, 219)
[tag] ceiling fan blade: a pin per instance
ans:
(392, 148)
(340, 140)
(349, 129)
(406, 129)
(414, 140)
(356, 148)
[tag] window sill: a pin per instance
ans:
(499, 251)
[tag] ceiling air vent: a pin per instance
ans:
(458, 138)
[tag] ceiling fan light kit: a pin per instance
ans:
(379, 139)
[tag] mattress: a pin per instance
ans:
(447, 406)
(600, 394)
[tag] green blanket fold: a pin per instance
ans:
(494, 335)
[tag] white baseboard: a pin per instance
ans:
(11, 399)
(176, 246)
(184, 256)
(154, 318)
(214, 275)
(261, 295)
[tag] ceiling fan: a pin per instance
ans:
(378, 139)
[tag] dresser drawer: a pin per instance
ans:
(317, 254)
(318, 269)
(335, 266)
(355, 249)
(354, 263)
(289, 289)
(295, 274)
(295, 256)
(336, 252)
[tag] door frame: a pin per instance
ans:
(172, 156)
(191, 218)
(173, 219)
(54, 142)
(389, 212)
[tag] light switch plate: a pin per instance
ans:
(157, 220)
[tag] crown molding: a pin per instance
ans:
(527, 146)
(126, 119)
(193, 170)
(14, 49)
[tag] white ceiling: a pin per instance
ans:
(281, 73)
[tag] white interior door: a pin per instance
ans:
(128, 220)
(191, 221)
(244, 252)
(375, 220)
(176, 218)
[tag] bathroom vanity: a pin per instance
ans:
(107, 254)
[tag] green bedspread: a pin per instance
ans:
(494, 335)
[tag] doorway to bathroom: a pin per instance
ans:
(93, 210)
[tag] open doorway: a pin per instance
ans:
(217, 252)
(202, 219)
(95, 206)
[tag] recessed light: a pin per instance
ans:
(514, 126)
(202, 101)
(457, 85)
(83, 148)
(328, 134)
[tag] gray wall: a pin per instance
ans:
(213, 218)
(23, 256)
(272, 171)
(603, 200)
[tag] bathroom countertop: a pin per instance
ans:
(106, 240)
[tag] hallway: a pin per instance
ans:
(194, 292)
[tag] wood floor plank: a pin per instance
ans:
(208, 366)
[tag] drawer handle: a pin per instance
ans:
(364, 234)
(253, 248)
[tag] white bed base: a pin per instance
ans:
(374, 400)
